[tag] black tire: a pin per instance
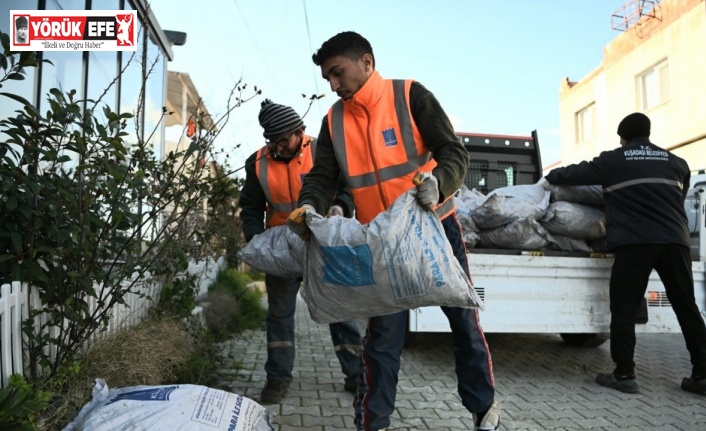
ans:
(584, 340)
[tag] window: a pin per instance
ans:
(653, 86)
(586, 124)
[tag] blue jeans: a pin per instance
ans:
(384, 339)
(282, 303)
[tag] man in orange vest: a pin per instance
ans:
(273, 179)
(377, 137)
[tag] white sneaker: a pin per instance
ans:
(491, 420)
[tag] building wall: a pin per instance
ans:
(677, 123)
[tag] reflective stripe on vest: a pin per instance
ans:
(282, 200)
(379, 175)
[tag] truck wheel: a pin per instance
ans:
(584, 340)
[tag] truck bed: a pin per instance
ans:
(527, 293)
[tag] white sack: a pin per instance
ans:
(400, 260)
(173, 408)
(466, 201)
(507, 204)
(575, 220)
(277, 251)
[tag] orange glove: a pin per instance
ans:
(296, 222)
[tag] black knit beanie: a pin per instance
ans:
(635, 125)
(278, 120)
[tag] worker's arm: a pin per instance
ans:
(582, 174)
(440, 138)
(321, 184)
(252, 202)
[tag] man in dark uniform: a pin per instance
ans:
(646, 227)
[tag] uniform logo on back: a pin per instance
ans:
(646, 153)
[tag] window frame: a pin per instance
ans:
(655, 75)
(580, 121)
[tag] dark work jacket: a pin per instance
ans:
(253, 203)
(644, 188)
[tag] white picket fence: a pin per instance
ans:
(13, 310)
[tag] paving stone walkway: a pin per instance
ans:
(542, 383)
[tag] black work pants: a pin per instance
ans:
(628, 283)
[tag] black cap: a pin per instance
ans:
(635, 125)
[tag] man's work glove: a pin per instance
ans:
(335, 210)
(427, 190)
(296, 221)
(544, 183)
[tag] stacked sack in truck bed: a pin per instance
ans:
(530, 217)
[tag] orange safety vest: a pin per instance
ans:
(378, 146)
(281, 181)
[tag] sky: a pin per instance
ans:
(494, 65)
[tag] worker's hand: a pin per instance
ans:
(427, 190)
(544, 183)
(335, 210)
(296, 222)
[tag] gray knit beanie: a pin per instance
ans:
(278, 120)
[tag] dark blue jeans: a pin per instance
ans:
(282, 303)
(384, 339)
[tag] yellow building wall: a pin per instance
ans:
(679, 124)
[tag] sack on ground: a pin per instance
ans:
(400, 260)
(277, 251)
(174, 408)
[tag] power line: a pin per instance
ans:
(311, 49)
(264, 59)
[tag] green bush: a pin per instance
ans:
(249, 312)
(19, 405)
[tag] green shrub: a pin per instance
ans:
(19, 405)
(249, 312)
(178, 296)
